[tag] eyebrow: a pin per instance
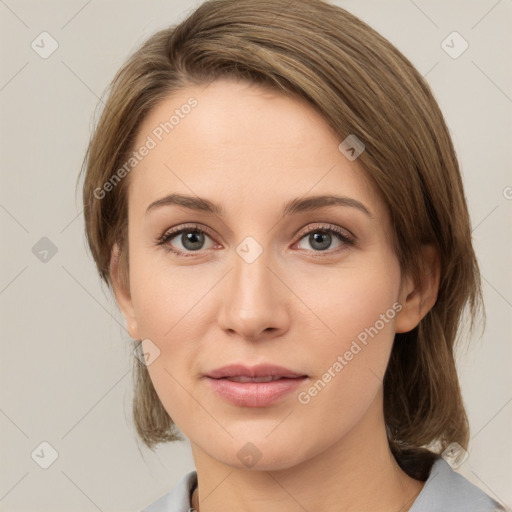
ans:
(294, 206)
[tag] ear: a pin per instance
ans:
(121, 285)
(418, 298)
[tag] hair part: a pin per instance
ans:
(361, 84)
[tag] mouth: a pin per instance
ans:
(259, 386)
(267, 372)
(269, 378)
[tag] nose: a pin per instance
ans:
(254, 301)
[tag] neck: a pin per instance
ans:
(358, 472)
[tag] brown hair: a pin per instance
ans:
(361, 84)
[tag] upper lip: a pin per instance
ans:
(260, 370)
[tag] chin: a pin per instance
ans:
(259, 455)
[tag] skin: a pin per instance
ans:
(250, 150)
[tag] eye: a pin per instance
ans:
(320, 238)
(191, 238)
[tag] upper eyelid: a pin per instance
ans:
(324, 227)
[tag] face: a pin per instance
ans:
(269, 277)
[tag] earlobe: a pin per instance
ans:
(417, 299)
(120, 284)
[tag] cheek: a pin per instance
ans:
(164, 297)
(350, 355)
(350, 302)
(358, 353)
(171, 310)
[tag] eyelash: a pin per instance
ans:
(331, 229)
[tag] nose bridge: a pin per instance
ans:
(251, 300)
(251, 274)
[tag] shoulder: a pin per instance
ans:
(444, 491)
(178, 498)
(447, 491)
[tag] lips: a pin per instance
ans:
(243, 378)
(257, 386)
(260, 371)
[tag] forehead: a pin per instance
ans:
(229, 114)
(233, 138)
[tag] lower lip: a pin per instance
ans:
(254, 394)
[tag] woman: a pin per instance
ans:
(274, 198)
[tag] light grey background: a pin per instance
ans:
(65, 363)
